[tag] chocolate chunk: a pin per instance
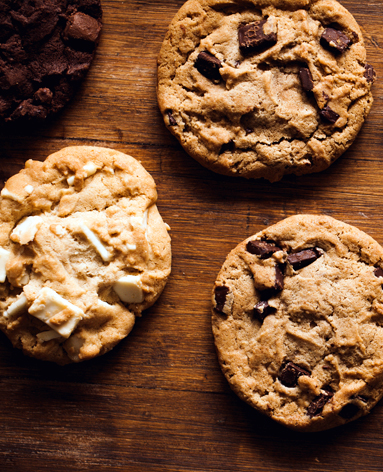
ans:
(263, 309)
(279, 279)
(335, 40)
(249, 131)
(251, 37)
(329, 115)
(290, 373)
(268, 293)
(325, 96)
(208, 66)
(230, 146)
(262, 248)
(355, 37)
(172, 120)
(303, 258)
(220, 297)
(27, 109)
(370, 73)
(83, 27)
(316, 406)
(362, 398)
(349, 411)
(378, 272)
(306, 79)
(43, 95)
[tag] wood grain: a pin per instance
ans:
(158, 401)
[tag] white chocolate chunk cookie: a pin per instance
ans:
(83, 251)
(298, 322)
(264, 88)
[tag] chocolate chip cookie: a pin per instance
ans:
(298, 322)
(83, 251)
(46, 48)
(264, 88)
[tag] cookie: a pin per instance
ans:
(298, 322)
(46, 48)
(83, 251)
(264, 88)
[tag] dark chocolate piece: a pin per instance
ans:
(279, 279)
(349, 411)
(230, 146)
(362, 398)
(251, 37)
(249, 131)
(355, 37)
(306, 79)
(303, 258)
(220, 297)
(208, 65)
(370, 73)
(378, 272)
(172, 120)
(290, 373)
(263, 309)
(262, 249)
(316, 406)
(82, 27)
(268, 293)
(43, 95)
(335, 40)
(329, 115)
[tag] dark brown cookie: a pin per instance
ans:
(46, 48)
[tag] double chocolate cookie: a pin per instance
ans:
(46, 48)
(83, 251)
(298, 322)
(264, 88)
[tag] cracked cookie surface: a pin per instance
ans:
(83, 251)
(46, 48)
(264, 88)
(298, 322)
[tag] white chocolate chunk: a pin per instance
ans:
(29, 189)
(167, 227)
(73, 346)
(70, 180)
(144, 224)
(4, 256)
(109, 170)
(18, 306)
(5, 193)
(56, 312)
(90, 168)
(58, 230)
(24, 279)
(96, 243)
(26, 231)
(131, 247)
(129, 289)
(48, 335)
(104, 304)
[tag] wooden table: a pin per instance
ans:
(158, 401)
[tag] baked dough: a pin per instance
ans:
(83, 251)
